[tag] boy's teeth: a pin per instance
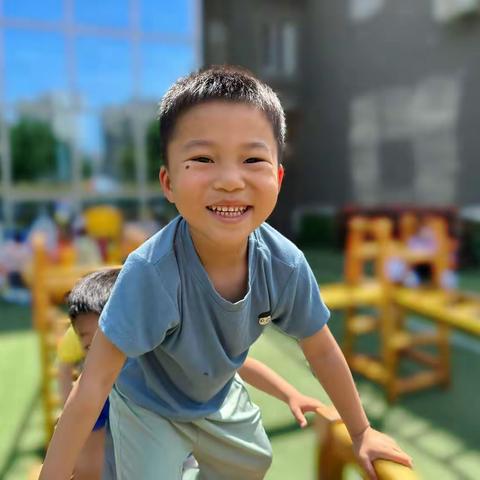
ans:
(224, 210)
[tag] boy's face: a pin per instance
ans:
(223, 173)
(85, 326)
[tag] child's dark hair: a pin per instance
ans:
(227, 83)
(91, 292)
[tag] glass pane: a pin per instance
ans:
(44, 10)
(34, 65)
(103, 70)
(89, 144)
(107, 13)
(40, 148)
(166, 16)
(162, 65)
(106, 147)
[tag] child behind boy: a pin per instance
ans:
(85, 304)
(190, 302)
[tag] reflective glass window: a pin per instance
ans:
(32, 9)
(34, 65)
(166, 16)
(103, 70)
(106, 13)
(162, 65)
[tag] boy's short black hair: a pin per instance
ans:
(91, 292)
(228, 83)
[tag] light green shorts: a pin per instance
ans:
(230, 444)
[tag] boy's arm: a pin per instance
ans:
(264, 378)
(102, 366)
(329, 365)
(65, 380)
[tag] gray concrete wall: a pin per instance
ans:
(385, 100)
(392, 105)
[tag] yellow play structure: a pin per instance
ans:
(50, 283)
(372, 302)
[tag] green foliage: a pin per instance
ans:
(471, 242)
(317, 229)
(127, 162)
(154, 160)
(33, 148)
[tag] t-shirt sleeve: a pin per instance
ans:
(140, 310)
(300, 311)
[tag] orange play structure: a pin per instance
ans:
(373, 302)
(49, 285)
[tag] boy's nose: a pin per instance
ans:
(229, 179)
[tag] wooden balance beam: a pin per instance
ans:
(335, 452)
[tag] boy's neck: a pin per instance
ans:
(218, 256)
(226, 266)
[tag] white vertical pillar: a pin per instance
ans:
(196, 7)
(73, 104)
(5, 154)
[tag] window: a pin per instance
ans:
(105, 13)
(397, 164)
(34, 64)
(104, 70)
(446, 10)
(162, 64)
(44, 10)
(279, 48)
(165, 16)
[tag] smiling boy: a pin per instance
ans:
(191, 300)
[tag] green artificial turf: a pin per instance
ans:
(440, 429)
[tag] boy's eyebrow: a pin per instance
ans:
(208, 143)
(197, 143)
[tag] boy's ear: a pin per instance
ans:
(281, 174)
(164, 178)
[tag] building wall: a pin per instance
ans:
(384, 98)
(391, 102)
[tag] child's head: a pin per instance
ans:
(219, 83)
(86, 302)
(222, 132)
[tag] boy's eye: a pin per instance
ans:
(202, 159)
(253, 160)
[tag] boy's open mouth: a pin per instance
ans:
(228, 210)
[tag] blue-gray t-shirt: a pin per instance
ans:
(184, 342)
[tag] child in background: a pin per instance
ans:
(190, 302)
(85, 304)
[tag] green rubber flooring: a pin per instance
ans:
(440, 429)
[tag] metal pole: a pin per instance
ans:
(5, 153)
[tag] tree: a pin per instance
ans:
(154, 157)
(33, 149)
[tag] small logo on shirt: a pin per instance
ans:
(265, 318)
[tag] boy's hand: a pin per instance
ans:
(299, 404)
(371, 444)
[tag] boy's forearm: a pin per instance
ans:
(102, 366)
(330, 367)
(264, 378)
(73, 428)
(65, 374)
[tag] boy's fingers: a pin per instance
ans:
(398, 457)
(298, 414)
(368, 467)
(309, 408)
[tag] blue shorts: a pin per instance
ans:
(103, 417)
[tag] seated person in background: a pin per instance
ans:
(85, 303)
